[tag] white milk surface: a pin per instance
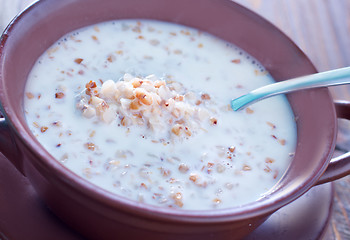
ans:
(230, 164)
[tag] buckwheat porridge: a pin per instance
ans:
(141, 109)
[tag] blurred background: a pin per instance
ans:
(321, 28)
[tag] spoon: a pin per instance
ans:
(329, 78)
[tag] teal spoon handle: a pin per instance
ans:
(330, 78)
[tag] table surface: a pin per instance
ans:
(321, 28)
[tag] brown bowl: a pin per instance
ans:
(98, 214)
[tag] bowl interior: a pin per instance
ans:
(46, 21)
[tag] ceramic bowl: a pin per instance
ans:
(98, 214)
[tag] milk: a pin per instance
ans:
(230, 164)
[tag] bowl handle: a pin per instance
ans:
(8, 145)
(339, 166)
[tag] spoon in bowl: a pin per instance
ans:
(329, 78)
